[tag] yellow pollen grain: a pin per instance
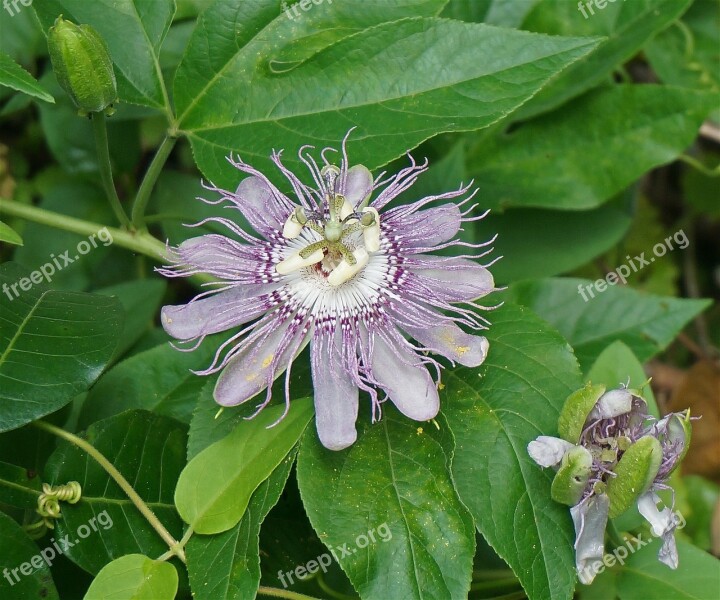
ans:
(419, 430)
(461, 350)
(268, 360)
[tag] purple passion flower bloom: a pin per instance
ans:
(613, 454)
(331, 266)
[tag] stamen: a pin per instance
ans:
(371, 229)
(295, 262)
(294, 224)
(345, 271)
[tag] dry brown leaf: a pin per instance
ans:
(700, 392)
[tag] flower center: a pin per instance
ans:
(339, 250)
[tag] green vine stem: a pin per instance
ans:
(148, 182)
(101, 143)
(140, 242)
(278, 593)
(144, 509)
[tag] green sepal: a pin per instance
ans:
(635, 471)
(679, 428)
(576, 409)
(82, 65)
(572, 477)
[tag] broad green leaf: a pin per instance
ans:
(71, 141)
(538, 164)
(53, 345)
(504, 13)
(627, 26)
(391, 78)
(616, 366)
(215, 487)
(644, 576)
(149, 451)
(134, 577)
(226, 566)
(389, 503)
(568, 239)
(12, 75)
(26, 573)
(687, 55)
(645, 323)
(133, 30)
(8, 235)
(494, 412)
(159, 380)
(18, 487)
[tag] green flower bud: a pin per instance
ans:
(576, 409)
(82, 66)
(634, 473)
(572, 477)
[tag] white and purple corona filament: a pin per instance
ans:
(334, 268)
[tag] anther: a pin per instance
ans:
(345, 271)
(295, 262)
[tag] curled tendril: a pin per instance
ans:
(49, 501)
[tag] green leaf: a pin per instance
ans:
(133, 31)
(53, 345)
(504, 13)
(18, 487)
(28, 575)
(391, 484)
(141, 300)
(215, 487)
(568, 239)
(385, 77)
(160, 380)
(494, 412)
(627, 25)
(149, 451)
(634, 472)
(644, 576)
(645, 323)
(226, 566)
(642, 127)
(7, 234)
(134, 577)
(687, 55)
(12, 75)
(617, 365)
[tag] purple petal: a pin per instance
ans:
(336, 399)
(253, 368)
(358, 184)
(426, 228)
(590, 519)
(450, 279)
(452, 342)
(407, 382)
(222, 257)
(263, 207)
(219, 312)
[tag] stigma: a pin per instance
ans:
(345, 237)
